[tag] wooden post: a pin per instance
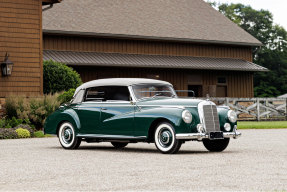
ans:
(258, 110)
(267, 105)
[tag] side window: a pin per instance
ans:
(79, 97)
(107, 94)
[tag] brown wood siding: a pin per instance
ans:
(20, 29)
(94, 44)
(238, 83)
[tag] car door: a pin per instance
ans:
(117, 112)
(89, 111)
(89, 114)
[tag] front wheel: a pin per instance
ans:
(165, 140)
(216, 145)
(68, 137)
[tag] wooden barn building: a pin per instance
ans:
(185, 42)
(21, 37)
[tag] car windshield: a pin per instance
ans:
(146, 91)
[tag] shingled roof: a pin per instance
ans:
(180, 20)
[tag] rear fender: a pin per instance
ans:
(53, 122)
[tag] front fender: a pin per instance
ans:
(146, 116)
(223, 118)
(52, 122)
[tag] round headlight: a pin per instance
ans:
(232, 116)
(186, 116)
(227, 127)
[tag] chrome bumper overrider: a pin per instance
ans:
(200, 136)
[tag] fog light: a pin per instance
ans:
(227, 127)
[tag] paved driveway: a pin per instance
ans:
(257, 161)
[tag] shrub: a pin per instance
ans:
(22, 133)
(17, 106)
(41, 108)
(59, 77)
(8, 133)
(27, 127)
(2, 123)
(67, 96)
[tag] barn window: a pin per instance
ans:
(221, 80)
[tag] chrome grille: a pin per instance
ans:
(211, 118)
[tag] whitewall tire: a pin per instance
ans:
(67, 136)
(165, 140)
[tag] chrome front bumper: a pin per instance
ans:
(199, 136)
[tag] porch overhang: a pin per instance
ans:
(150, 61)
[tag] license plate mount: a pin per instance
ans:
(216, 135)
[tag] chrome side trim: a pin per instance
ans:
(166, 106)
(110, 136)
(200, 136)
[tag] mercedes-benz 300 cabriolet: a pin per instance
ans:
(131, 110)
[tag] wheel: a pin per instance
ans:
(68, 137)
(216, 145)
(118, 144)
(165, 140)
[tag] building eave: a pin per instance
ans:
(138, 37)
(48, 2)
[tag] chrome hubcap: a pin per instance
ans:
(67, 135)
(165, 137)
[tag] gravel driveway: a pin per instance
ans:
(256, 161)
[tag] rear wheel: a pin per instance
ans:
(165, 140)
(119, 144)
(67, 136)
(216, 145)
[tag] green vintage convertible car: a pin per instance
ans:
(131, 110)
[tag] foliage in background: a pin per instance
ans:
(67, 96)
(260, 24)
(15, 105)
(27, 127)
(10, 123)
(41, 108)
(59, 77)
(8, 134)
(22, 133)
(41, 134)
(35, 109)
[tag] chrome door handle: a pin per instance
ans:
(103, 108)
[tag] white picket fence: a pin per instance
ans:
(258, 108)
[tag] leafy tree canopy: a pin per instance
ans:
(260, 24)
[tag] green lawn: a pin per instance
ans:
(262, 124)
(41, 134)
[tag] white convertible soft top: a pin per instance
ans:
(119, 82)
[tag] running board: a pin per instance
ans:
(100, 136)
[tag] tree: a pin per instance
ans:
(59, 77)
(260, 24)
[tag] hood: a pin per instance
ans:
(171, 101)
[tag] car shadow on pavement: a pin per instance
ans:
(139, 150)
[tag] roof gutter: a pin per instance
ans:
(50, 7)
(139, 37)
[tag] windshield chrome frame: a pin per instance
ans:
(135, 99)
